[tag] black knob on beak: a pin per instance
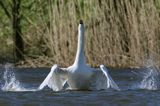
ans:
(81, 22)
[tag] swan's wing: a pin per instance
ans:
(55, 79)
(110, 81)
(102, 79)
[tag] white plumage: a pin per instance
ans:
(79, 76)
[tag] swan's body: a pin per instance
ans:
(79, 76)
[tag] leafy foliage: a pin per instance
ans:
(118, 33)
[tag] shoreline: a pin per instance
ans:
(35, 63)
(48, 62)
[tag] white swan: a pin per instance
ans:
(79, 76)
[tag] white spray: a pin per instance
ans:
(10, 81)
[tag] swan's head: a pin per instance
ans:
(81, 27)
(81, 22)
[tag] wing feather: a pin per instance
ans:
(110, 81)
(55, 79)
(102, 79)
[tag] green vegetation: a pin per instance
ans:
(121, 33)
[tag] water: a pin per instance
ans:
(19, 87)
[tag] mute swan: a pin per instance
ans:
(79, 76)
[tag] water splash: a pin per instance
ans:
(150, 78)
(10, 81)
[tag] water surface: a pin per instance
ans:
(136, 89)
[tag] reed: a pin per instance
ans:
(119, 33)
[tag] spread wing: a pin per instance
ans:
(102, 79)
(55, 79)
(110, 81)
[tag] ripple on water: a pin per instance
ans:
(126, 97)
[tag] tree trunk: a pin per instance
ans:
(17, 34)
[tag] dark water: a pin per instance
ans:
(134, 91)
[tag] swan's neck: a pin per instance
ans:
(80, 57)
